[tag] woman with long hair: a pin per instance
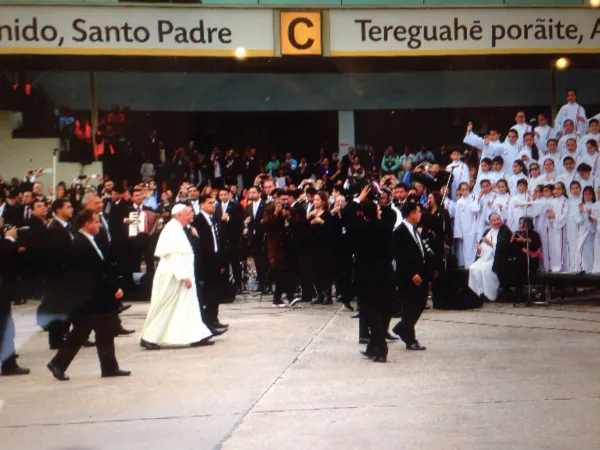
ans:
(320, 243)
(436, 229)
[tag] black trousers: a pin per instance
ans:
(284, 284)
(306, 285)
(7, 338)
(233, 257)
(343, 282)
(374, 325)
(261, 263)
(106, 327)
(323, 282)
(57, 332)
(413, 304)
(208, 296)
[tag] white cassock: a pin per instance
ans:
(557, 234)
(517, 208)
(491, 150)
(582, 145)
(482, 208)
(542, 226)
(574, 222)
(596, 215)
(571, 111)
(481, 175)
(509, 154)
(464, 231)
(528, 152)
(541, 136)
(521, 128)
(592, 160)
(174, 317)
(584, 182)
(494, 176)
(500, 206)
(460, 174)
(482, 280)
(556, 157)
(562, 142)
(585, 246)
(513, 180)
(566, 178)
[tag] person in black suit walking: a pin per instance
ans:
(411, 274)
(210, 267)
(8, 276)
(96, 302)
(256, 235)
(54, 310)
(230, 216)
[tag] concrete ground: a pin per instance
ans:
(494, 378)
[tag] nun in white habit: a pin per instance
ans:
(174, 317)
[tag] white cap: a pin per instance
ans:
(177, 209)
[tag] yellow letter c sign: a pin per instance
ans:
(301, 33)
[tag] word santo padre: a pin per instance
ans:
(202, 34)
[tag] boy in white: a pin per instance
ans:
(557, 219)
(459, 172)
(574, 222)
(569, 172)
(542, 133)
(569, 133)
(571, 151)
(542, 224)
(592, 134)
(500, 202)
(482, 207)
(521, 126)
(464, 228)
(489, 146)
(484, 173)
(584, 176)
(497, 173)
(552, 152)
(518, 205)
(571, 111)
(510, 148)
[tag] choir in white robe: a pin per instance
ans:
(574, 222)
(562, 142)
(583, 141)
(556, 157)
(541, 136)
(481, 175)
(542, 226)
(464, 231)
(460, 174)
(500, 206)
(521, 128)
(557, 234)
(495, 176)
(571, 111)
(592, 160)
(509, 153)
(513, 180)
(491, 150)
(482, 280)
(174, 317)
(585, 246)
(566, 178)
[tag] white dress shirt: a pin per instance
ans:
(209, 219)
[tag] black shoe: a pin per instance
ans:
(356, 316)
(204, 342)
(366, 354)
(89, 343)
(363, 341)
(391, 337)
(415, 346)
(116, 373)
(15, 370)
(123, 307)
(218, 324)
(380, 359)
(149, 345)
(279, 304)
(124, 332)
(57, 373)
(218, 331)
(397, 315)
(347, 306)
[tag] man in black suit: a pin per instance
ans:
(210, 267)
(256, 235)
(96, 302)
(55, 308)
(230, 216)
(411, 274)
(8, 276)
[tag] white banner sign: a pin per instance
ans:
(127, 30)
(419, 31)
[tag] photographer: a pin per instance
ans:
(280, 246)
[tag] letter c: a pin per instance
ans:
(292, 33)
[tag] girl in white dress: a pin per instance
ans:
(519, 173)
(464, 227)
(595, 219)
(542, 223)
(585, 246)
(535, 179)
(482, 279)
(518, 206)
(574, 223)
(500, 205)
(557, 217)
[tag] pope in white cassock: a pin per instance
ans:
(174, 317)
(482, 279)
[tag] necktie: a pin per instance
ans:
(215, 232)
(69, 230)
(105, 226)
(416, 233)
(27, 212)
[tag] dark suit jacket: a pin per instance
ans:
(118, 229)
(231, 230)
(409, 259)
(503, 250)
(13, 215)
(94, 284)
(207, 262)
(8, 273)
(256, 233)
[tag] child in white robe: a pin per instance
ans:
(484, 173)
(585, 246)
(591, 157)
(510, 148)
(593, 134)
(574, 222)
(569, 172)
(542, 224)
(500, 202)
(534, 180)
(482, 208)
(552, 154)
(567, 134)
(595, 219)
(519, 173)
(459, 172)
(557, 217)
(571, 151)
(518, 205)
(542, 133)
(521, 127)
(572, 111)
(464, 228)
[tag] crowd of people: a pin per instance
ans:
(382, 231)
